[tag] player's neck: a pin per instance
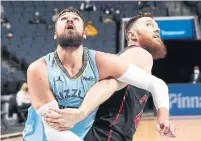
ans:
(71, 57)
(133, 43)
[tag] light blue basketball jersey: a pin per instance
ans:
(69, 92)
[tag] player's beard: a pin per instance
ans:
(70, 39)
(155, 47)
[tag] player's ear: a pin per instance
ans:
(135, 36)
(131, 36)
(55, 35)
(84, 35)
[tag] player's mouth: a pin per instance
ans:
(70, 26)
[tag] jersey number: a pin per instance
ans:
(137, 119)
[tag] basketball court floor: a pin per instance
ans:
(188, 129)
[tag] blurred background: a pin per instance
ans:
(27, 30)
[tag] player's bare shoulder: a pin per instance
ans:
(138, 52)
(37, 67)
(141, 50)
(107, 65)
(138, 56)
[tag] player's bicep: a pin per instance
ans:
(110, 65)
(39, 89)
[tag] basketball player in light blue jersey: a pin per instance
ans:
(62, 78)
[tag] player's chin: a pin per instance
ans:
(170, 135)
(160, 55)
(159, 51)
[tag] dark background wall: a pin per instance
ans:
(182, 55)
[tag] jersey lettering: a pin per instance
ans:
(75, 93)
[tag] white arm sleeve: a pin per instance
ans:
(141, 79)
(53, 134)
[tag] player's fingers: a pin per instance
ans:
(63, 129)
(51, 114)
(52, 120)
(166, 128)
(158, 129)
(68, 126)
(70, 111)
(58, 111)
(172, 130)
(54, 125)
(170, 135)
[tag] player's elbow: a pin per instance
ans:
(115, 85)
(121, 85)
(110, 83)
(158, 84)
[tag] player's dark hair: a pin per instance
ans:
(73, 11)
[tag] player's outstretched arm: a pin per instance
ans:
(113, 66)
(101, 91)
(139, 78)
(43, 98)
(104, 89)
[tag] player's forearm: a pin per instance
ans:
(52, 133)
(98, 94)
(141, 79)
(162, 114)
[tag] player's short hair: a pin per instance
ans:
(73, 10)
(134, 19)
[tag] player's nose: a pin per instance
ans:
(69, 20)
(157, 30)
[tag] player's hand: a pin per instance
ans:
(166, 128)
(63, 119)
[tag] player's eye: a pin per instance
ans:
(64, 18)
(76, 19)
(148, 24)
